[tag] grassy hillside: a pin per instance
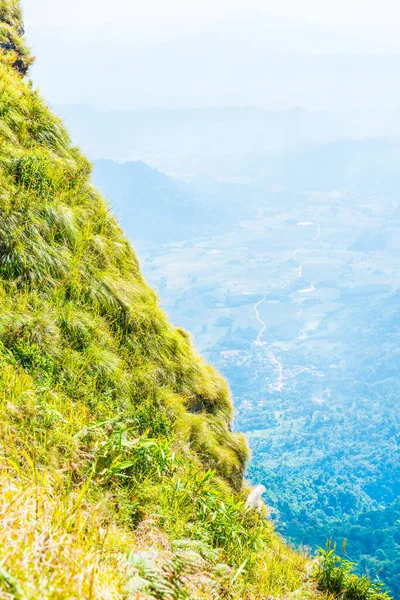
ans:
(121, 477)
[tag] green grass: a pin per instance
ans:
(115, 434)
(73, 293)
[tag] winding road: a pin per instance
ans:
(278, 386)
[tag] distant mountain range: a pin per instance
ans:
(244, 144)
(365, 166)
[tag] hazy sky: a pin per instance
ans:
(134, 54)
(372, 12)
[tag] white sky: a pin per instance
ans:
(384, 13)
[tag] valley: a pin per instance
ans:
(288, 306)
(225, 278)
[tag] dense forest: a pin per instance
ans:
(327, 446)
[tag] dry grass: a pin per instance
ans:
(51, 550)
(56, 546)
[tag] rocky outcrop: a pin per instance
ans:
(11, 40)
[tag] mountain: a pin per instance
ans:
(121, 477)
(154, 207)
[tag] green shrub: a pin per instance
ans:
(336, 576)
